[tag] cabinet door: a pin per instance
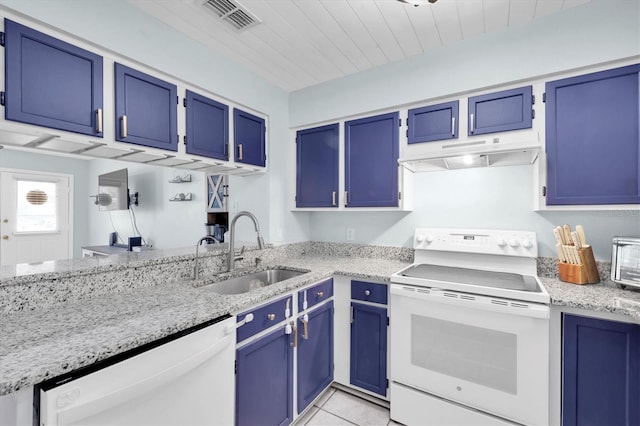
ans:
(501, 111)
(433, 123)
(592, 138)
(146, 109)
(207, 126)
(249, 138)
(317, 167)
(51, 83)
(600, 373)
(264, 381)
(369, 347)
(315, 354)
(371, 161)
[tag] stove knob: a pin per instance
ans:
(429, 239)
(501, 242)
(526, 243)
(514, 243)
(419, 238)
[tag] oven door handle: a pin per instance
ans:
(485, 303)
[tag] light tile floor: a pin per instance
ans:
(337, 408)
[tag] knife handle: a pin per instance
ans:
(582, 236)
(576, 240)
(558, 235)
(567, 233)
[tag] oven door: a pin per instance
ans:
(483, 352)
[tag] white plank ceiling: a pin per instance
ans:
(300, 43)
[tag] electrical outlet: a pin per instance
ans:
(351, 234)
(234, 207)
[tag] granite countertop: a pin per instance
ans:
(603, 297)
(43, 343)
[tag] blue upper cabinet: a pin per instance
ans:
(249, 138)
(501, 111)
(317, 167)
(600, 372)
(146, 109)
(51, 83)
(371, 161)
(433, 123)
(207, 126)
(592, 138)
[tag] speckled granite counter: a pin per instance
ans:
(603, 297)
(39, 344)
(51, 338)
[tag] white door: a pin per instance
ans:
(35, 217)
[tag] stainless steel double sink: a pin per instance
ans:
(252, 281)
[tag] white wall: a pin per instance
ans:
(600, 31)
(162, 223)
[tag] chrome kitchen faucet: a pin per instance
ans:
(231, 256)
(196, 273)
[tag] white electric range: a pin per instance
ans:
(474, 319)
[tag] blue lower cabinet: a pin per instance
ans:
(315, 354)
(264, 381)
(600, 372)
(369, 348)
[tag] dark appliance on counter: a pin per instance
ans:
(216, 231)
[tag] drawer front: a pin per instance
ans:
(369, 292)
(316, 294)
(263, 317)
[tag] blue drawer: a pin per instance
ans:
(316, 294)
(369, 292)
(263, 317)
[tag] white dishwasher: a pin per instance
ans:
(184, 379)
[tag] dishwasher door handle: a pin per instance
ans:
(75, 413)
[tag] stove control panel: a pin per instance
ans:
(485, 241)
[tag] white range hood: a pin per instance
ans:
(510, 149)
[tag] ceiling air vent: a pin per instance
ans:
(234, 13)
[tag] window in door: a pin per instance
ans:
(36, 209)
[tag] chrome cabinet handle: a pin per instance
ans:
(305, 330)
(320, 294)
(333, 198)
(271, 317)
(453, 126)
(239, 151)
(367, 293)
(295, 337)
(99, 120)
(473, 126)
(123, 126)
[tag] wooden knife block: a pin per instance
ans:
(586, 273)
